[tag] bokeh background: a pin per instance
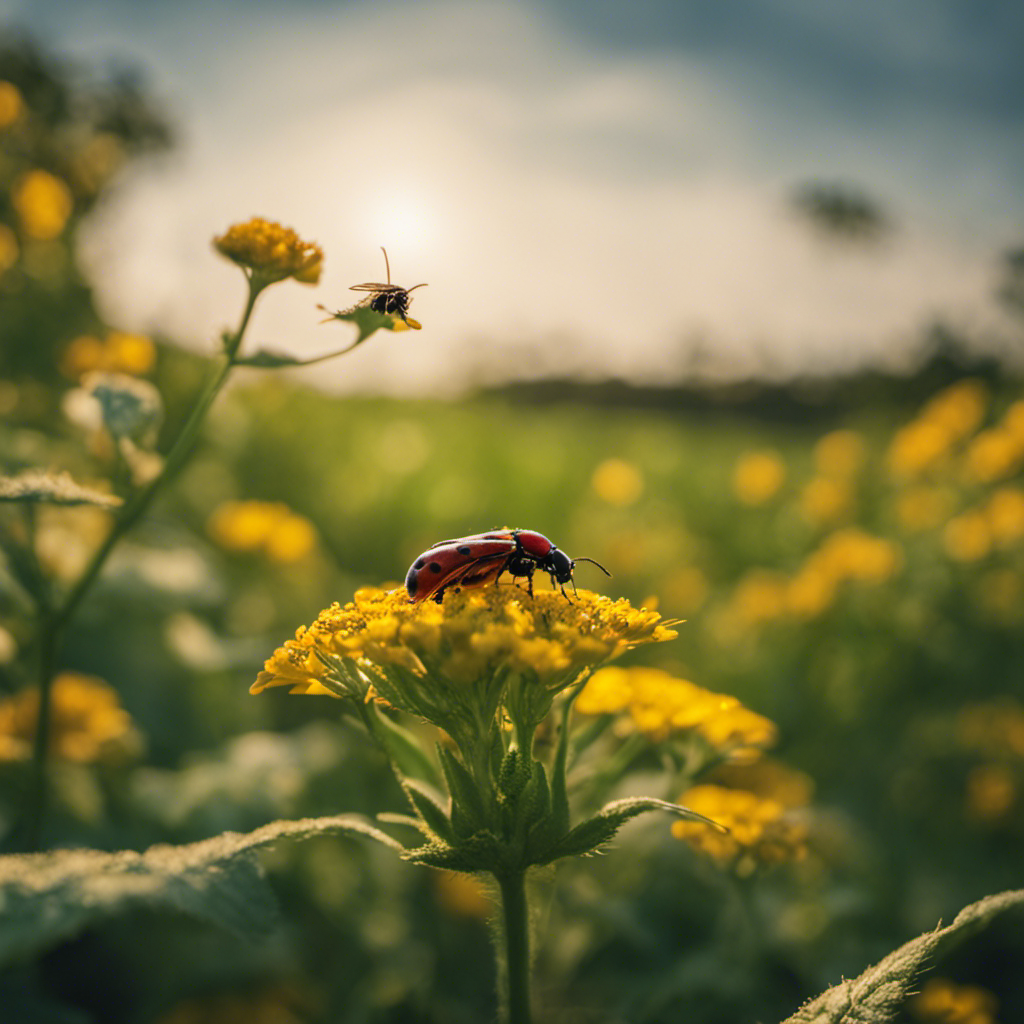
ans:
(729, 297)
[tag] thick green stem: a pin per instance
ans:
(53, 622)
(516, 920)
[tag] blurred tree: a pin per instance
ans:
(64, 138)
(841, 212)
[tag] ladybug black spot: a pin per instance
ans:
(434, 566)
(419, 563)
(465, 549)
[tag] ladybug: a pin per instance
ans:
(477, 560)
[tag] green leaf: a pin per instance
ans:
(880, 991)
(366, 320)
(429, 809)
(52, 489)
(601, 828)
(401, 746)
(268, 358)
(467, 806)
(48, 897)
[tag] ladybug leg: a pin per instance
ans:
(439, 596)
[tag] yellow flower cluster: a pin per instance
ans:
(269, 527)
(846, 555)
(271, 252)
(12, 105)
(927, 441)
(659, 704)
(42, 203)
(473, 635)
(88, 724)
(758, 476)
(762, 830)
(840, 454)
(942, 1001)
(999, 523)
(118, 352)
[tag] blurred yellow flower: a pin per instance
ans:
(767, 778)
(43, 204)
(967, 537)
(463, 895)
(942, 1001)
(758, 476)
(119, 352)
(991, 792)
(994, 727)
(686, 589)
(1001, 593)
(840, 453)
(271, 252)
(617, 482)
(993, 455)
(1013, 420)
(917, 447)
(269, 527)
(761, 831)
(88, 723)
(825, 499)
(960, 408)
(853, 554)
(922, 507)
(9, 249)
(760, 596)
(1005, 514)
(811, 591)
(12, 106)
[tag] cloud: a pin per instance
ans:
(574, 208)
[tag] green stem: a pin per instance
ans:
(53, 623)
(517, 948)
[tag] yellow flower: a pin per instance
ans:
(456, 663)
(993, 455)
(761, 831)
(43, 204)
(1005, 515)
(967, 537)
(767, 778)
(922, 507)
(269, 527)
(991, 792)
(760, 596)
(942, 1001)
(917, 447)
(758, 476)
(463, 895)
(88, 724)
(686, 589)
(739, 733)
(825, 499)
(617, 482)
(811, 591)
(958, 409)
(271, 252)
(119, 352)
(840, 453)
(1013, 420)
(12, 106)
(853, 554)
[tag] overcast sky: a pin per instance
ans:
(587, 185)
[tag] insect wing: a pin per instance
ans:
(371, 286)
(439, 567)
(504, 536)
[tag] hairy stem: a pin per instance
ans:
(53, 622)
(516, 951)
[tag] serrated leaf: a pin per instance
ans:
(878, 993)
(593, 833)
(48, 897)
(467, 806)
(52, 489)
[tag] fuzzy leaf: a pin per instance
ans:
(48, 897)
(878, 994)
(427, 807)
(52, 489)
(593, 833)
(467, 806)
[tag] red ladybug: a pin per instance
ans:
(476, 561)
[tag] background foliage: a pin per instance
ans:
(850, 559)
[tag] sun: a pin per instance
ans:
(400, 219)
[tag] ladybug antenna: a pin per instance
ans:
(593, 561)
(387, 265)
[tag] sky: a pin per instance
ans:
(588, 186)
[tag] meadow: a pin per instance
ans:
(844, 693)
